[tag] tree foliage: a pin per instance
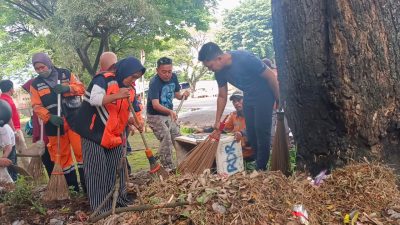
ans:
(248, 27)
(184, 55)
(83, 29)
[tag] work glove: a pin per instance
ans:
(56, 120)
(61, 89)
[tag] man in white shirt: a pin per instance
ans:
(7, 144)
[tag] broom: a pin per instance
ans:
(57, 188)
(201, 157)
(280, 147)
(36, 166)
(155, 167)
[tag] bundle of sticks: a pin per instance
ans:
(202, 157)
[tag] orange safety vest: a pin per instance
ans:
(44, 99)
(105, 124)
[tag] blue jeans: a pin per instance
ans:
(13, 157)
(258, 117)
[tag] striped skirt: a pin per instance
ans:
(100, 166)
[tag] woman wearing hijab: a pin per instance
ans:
(107, 63)
(102, 119)
(44, 90)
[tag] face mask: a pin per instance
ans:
(45, 74)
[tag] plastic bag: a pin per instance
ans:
(5, 176)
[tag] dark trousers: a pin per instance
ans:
(258, 117)
(46, 160)
(128, 149)
(13, 157)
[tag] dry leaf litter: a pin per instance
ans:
(268, 198)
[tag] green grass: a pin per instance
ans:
(137, 159)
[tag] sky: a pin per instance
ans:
(229, 4)
(222, 5)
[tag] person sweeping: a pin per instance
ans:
(260, 88)
(102, 120)
(44, 98)
(161, 117)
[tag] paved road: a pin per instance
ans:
(200, 111)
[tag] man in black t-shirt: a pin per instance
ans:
(163, 88)
(260, 86)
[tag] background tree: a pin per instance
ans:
(89, 27)
(249, 27)
(192, 69)
(339, 72)
(184, 54)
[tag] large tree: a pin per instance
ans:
(338, 64)
(89, 27)
(249, 27)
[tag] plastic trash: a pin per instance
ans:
(301, 213)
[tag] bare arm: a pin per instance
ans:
(221, 103)
(272, 80)
(6, 151)
(180, 95)
(164, 110)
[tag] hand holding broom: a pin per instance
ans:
(57, 188)
(216, 134)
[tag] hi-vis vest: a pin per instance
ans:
(48, 98)
(105, 124)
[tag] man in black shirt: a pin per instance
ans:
(163, 88)
(260, 86)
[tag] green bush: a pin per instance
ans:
(187, 130)
(23, 196)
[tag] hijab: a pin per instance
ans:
(51, 80)
(126, 67)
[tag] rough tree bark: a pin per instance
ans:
(339, 72)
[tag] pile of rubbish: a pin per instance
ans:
(364, 193)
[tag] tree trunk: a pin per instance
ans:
(339, 70)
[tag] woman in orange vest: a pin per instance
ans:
(102, 120)
(44, 90)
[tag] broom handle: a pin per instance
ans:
(58, 128)
(41, 129)
(180, 105)
(137, 121)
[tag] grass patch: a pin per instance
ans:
(137, 159)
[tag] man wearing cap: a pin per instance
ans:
(236, 124)
(260, 88)
(161, 117)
